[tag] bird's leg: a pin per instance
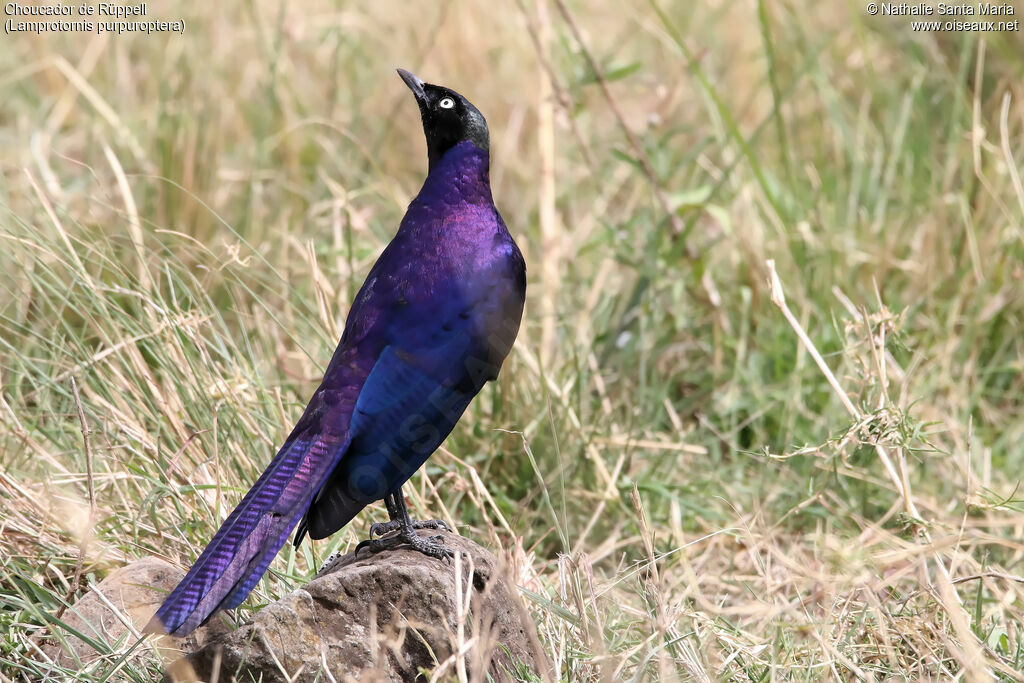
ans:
(394, 522)
(407, 532)
(397, 514)
(406, 528)
(416, 523)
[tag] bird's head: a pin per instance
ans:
(448, 117)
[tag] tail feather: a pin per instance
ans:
(242, 549)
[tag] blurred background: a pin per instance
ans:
(684, 488)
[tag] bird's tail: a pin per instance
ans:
(243, 548)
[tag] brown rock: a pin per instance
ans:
(386, 616)
(134, 591)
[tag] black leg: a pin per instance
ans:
(393, 514)
(400, 522)
(403, 514)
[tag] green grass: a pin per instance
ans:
(185, 219)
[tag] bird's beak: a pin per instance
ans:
(415, 84)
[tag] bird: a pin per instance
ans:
(431, 324)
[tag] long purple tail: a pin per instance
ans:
(243, 548)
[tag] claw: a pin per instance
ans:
(381, 528)
(373, 544)
(432, 524)
(431, 547)
(400, 530)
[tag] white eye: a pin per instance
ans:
(446, 103)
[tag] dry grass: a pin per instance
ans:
(682, 489)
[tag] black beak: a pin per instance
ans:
(415, 84)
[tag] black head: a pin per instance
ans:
(448, 117)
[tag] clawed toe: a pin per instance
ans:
(379, 529)
(431, 524)
(382, 528)
(375, 545)
(432, 547)
(400, 530)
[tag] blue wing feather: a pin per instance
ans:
(402, 415)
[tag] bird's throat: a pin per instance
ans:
(463, 168)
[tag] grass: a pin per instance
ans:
(185, 218)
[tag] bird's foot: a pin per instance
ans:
(431, 547)
(382, 528)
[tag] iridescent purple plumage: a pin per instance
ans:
(433, 321)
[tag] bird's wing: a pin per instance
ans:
(242, 549)
(408, 405)
(418, 389)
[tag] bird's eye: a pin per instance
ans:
(446, 103)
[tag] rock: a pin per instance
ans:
(135, 591)
(386, 616)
